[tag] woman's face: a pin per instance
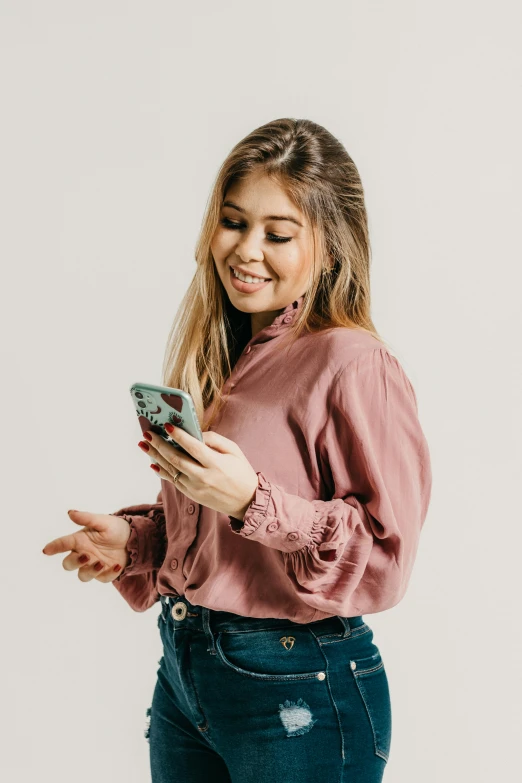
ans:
(264, 234)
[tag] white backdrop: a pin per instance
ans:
(115, 117)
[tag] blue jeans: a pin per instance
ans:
(240, 698)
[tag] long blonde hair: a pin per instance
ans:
(315, 170)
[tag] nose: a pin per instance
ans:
(248, 248)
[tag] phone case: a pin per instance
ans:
(157, 405)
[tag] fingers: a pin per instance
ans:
(157, 456)
(193, 446)
(62, 544)
(84, 556)
(90, 567)
(76, 560)
(167, 466)
(170, 459)
(65, 543)
(104, 574)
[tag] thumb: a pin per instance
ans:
(219, 443)
(84, 519)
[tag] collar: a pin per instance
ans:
(280, 322)
(288, 314)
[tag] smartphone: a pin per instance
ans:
(158, 405)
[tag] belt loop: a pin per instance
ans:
(208, 630)
(346, 622)
(164, 599)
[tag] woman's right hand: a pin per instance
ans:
(102, 540)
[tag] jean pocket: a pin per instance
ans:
(372, 683)
(272, 654)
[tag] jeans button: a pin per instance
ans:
(179, 610)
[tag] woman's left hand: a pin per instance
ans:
(214, 473)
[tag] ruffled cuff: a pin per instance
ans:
(147, 542)
(280, 520)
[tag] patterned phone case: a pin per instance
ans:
(157, 405)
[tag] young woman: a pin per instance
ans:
(301, 511)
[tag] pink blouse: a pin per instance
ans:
(331, 427)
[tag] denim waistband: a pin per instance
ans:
(210, 621)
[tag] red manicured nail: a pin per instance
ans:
(116, 567)
(156, 468)
(143, 446)
(98, 567)
(169, 428)
(147, 435)
(83, 558)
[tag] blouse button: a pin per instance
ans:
(191, 509)
(248, 349)
(174, 564)
(287, 319)
(273, 526)
(293, 536)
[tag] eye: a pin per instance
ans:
(238, 226)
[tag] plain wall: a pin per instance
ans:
(115, 117)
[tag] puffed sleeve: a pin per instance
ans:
(147, 546)
(354, 554)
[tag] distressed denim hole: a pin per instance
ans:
(296, 717)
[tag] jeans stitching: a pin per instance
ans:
(360, 672)
(357, 676)
(257, 676)
(354, 635)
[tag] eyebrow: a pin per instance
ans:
(267, 217)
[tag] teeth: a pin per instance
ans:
(248, 278)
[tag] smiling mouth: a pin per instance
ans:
(252, 278)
